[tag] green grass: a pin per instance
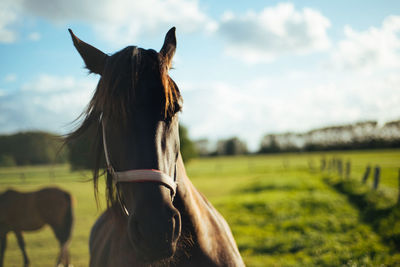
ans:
(376, 208)
(281, 214)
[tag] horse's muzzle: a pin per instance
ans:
(152, 238)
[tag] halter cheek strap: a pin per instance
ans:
(138, 175)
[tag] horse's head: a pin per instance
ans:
(134, 108)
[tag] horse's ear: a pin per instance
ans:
(169, 47)
(93, 57)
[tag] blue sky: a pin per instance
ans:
(245, 68)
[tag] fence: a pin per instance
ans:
(335, 165)
(39, 174)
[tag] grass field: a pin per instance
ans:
(281, 213)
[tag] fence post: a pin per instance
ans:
(323, 164)
(377, 175)
(348, 169)
(310, 165)
(334, 164)
(328, 165)
(366, 174)
(340, 168)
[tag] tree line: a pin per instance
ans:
(31, 148)
(34, 148)
(360, 135)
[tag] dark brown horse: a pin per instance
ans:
(31, 211)
(156, 217)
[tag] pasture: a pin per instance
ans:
(281, 212)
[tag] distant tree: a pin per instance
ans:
(188, 149)
(391, 133)
(231, 146)
(7, 161)
(82, 153)
(269, 144)
(203, 147)
(32, 148)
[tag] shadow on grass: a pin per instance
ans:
(376, 208)
(259, 187)
(255, 188)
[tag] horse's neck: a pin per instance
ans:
(208, 227)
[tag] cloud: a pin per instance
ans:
(46, 103)
(34, 36)
(370, 49)
(122, 21)
(8, 17)
(300, 102)
(11, 77)
(220, 109)
(46, 83)
(275, 31)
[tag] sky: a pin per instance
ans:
(244, 68)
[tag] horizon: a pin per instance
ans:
(244, 69)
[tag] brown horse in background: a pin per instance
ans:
(31, 211)
(156, 217)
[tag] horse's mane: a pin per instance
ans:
(113, 99)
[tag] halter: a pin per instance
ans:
(138, 175)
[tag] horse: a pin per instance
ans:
(31, 211)
(155, 216)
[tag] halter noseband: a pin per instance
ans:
(138, 175)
